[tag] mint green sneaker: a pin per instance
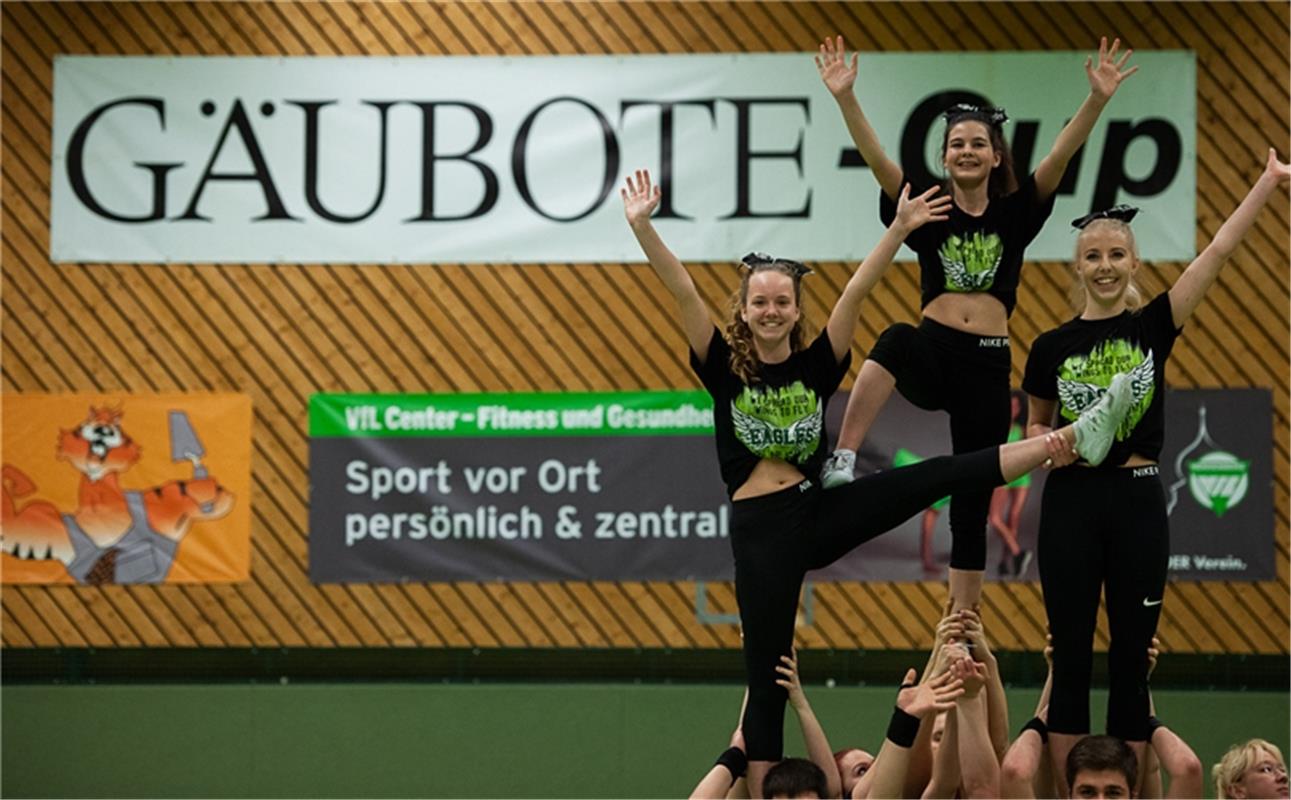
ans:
(839, 469)
(1096, 428)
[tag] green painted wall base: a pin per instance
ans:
(453, 740)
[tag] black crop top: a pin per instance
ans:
(782, 416)
(976, 254)
(1074, 363)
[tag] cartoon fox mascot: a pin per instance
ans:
(115, 535)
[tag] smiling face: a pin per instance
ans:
(968, 154)
(770, 309)
(1106, 261)
(852, 766)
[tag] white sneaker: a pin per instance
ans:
(1096, 428)
(839, 469)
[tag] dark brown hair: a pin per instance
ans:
(1003, 179)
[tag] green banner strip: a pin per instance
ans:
(661, 413)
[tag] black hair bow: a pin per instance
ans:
(996, 116)
(754, 260)
(1122, 212)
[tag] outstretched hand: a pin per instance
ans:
(921, 209)
(938, 694)
(1276, 168)
(640, 198)
(971, 674)
(1108, 74)
(788, 667)
(832, 64)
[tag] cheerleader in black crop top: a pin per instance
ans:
(769, 389)
(958, 359)
(1105, 529)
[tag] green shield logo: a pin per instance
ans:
(1218, 480)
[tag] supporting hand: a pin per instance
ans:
(935, 696)
(789, 669)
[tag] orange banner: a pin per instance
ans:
(126, 488)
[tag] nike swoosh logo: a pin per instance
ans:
(1153, 603)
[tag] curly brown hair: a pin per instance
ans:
(744, 359)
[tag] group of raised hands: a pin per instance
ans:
(949, 736)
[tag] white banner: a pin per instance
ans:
(518, 159)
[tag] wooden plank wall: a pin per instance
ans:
(281, 333)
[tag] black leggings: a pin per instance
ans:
(967, 375)
(778, 537)
(1102, 528)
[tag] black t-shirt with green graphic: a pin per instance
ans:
(782, 416)
(1074, 363)
(975, 254)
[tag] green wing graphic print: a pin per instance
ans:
(781, 423)
(970, 263)
(1082, 380)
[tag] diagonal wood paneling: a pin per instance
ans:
(281, 333)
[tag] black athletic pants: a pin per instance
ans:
(967, 375)
(1102, 529)
(777, 538)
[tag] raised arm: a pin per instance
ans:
(640, 199)
(919, 768)
(1025, 768)
(1179, 762)
(813, 734)
(911, 213)
(1103, 82)
(1187, 292)
(997, 708)
(839, 75)
(916, 704)
(978, 765)
(729, 768)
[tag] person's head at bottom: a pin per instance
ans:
(795, 778)
(1253, 769)
(1102, 766)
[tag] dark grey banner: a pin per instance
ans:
(653, 507)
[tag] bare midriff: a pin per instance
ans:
(973, 312)
(770, 475)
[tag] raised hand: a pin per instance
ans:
(915, 211)
(789, 669)
(949, 629)
(839, 76)
(1276, 168)
(1154, 652)
(640, 198)
(938, 694)
(1108, 74)
(970, 673)
(973, 632)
